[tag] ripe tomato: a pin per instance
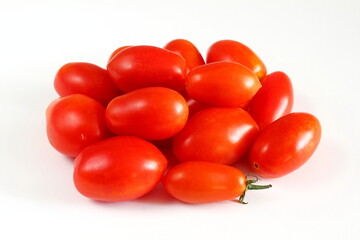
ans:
(87, 79)
(273, 100)
(113, 54)
(187, 50)
(118, 169)
(194, 106)
(229, 50)
(225, 84)
(285, 145)
(75, 122)
(152, 113)
(204, 182)
(220, 135)
(147, 66)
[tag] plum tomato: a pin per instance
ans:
(114, 53)
(285, 145)
(220, 135)
(233, 51)
(223, 84)
(118, 169)
(147, 66)
(153, 113)
(75, 122)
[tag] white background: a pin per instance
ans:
(315, 42)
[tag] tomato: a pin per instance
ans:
(147, 66)
(152, 113)
(220, 135)
(187, 50)
(75, 122)
(273, 100)
(204, 182)
(233, 51)
(194, 106)
(224, 84)
(113, 54)
(87, 79)
(118, 169)
(285, 145)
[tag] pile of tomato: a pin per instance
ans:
(152, 105)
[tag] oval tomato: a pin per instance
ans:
(152, 113)
(113, 54)
(87, 79)
(233, 51)
(224, 84)
(220, 135)
(194, 106)
(187, 50)
(147, 66)
(273, 100)
(75, 122)
(204, 182)
(285, 145)
(118, 169)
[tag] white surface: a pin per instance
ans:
(315, 42)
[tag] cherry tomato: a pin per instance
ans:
(118, 169)
(75, 122)
(87, 79)
(285, 145)
(273, 100)
(113, 54)
(225, 84)
(233, 51)
(187, 50)
(147, 66)
(152, 113)
(220, 135)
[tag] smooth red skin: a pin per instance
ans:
(194, 106)
(273, 100)
(204, 182)
(152, 113)
(285, 145)
(87, 79)
(113, 54)
(117, 169)
(223, 84)
(187, 50)
(75, 122)
(233, 51)
(219, 135)
(147, 66)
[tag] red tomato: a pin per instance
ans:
(118, 169)
(152, 113)
(229, 50)
(273, 100)
(194, 106)
(220, 135)
(75, 122)
(224, 84)
(87, 79)
(116, 52)
(187, 50)
(146, 66)
(285, 145)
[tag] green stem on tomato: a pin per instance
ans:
(251, 186)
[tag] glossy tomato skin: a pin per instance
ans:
(273, 100)
(121, 168)
(219, 135)
(152, 113)
(147, 66)
(194, 106)
(233, 51)
(187, 50)
(113, 54)
(204, 182)
(224, 84)
(285, 145)
(75, 122)
(85, 78)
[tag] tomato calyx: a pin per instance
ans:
(251, 186)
